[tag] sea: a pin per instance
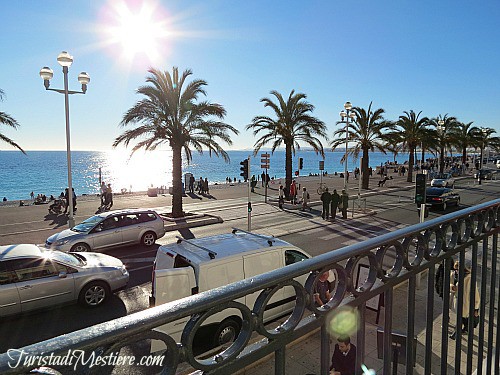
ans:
(45, 172)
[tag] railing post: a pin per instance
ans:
(325, 350)
(388, 300)
(410, 330)
(482, 308)
(491, 313)
(279, 361)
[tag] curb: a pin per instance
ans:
(193, 221)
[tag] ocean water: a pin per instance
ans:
(45, 172)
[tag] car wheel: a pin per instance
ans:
(148, 238)
(227, 332)
(80, 248)
(94, 294)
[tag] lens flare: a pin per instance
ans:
(343, 321)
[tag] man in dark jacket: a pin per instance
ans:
(344, 357)
(344, 199)
(334, 203)
(326, 198)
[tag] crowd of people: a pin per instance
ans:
(201, 186)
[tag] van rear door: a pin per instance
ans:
(170, 285)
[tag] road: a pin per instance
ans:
(393, 210)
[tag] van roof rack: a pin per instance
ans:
(269, 241)
(211, 253)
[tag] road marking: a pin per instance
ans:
(139, 268)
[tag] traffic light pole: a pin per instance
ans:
(249, 203)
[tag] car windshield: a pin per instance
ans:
(66, 258)
(441, 176)
(88, 224)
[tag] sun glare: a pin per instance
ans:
(139, 29)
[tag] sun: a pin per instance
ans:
(138, 29)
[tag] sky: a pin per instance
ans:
(438, 57)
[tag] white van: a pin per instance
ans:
(192, 266)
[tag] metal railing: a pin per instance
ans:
(391, 260)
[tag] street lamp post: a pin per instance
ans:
(65, 60)
(483, 133)
(347, 114)
(441, 128)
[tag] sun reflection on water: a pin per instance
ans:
(136, 173)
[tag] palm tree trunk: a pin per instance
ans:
(441, 160)
(464, 155)
(423, 156)
(410, 164)
(365, 174)
(288, 166)
(177, 182)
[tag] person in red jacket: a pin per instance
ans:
(344, 357)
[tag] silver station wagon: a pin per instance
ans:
(109, 229)
(32, 278)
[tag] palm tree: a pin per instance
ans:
(293, 123)
(484, 138)
(464, 136)
(444, 126)
(6, 119)
(411, 133)
(366, 132)
(171, 113)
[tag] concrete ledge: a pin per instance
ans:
(192, 221)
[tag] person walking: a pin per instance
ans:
(293, 192)
(466, 285)
(281, 197)
(66, 200)
(205, 186)
(109, 197)
(191, 183)
(103, 192)
(344, 200)
(334, 204)
(200, 185)
(326, 198)
(305, 199)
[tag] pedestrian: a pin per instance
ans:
(344, 199)
(200, 185)
(281, 197)
(465, 284)
(403, 170)
(263, 176)
(109, 197)
(32, 195)
(305, 199)
(205, 186)
(253, 183)
(344, 357)
(334, 204)
(326, 198)
(191, 183)
(103, 192)
(322, 290)
(74, 199)
(347, 178)
(293, 192)
(66, 198)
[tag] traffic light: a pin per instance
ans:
(244, 169)
(420, 183)
(301, 163)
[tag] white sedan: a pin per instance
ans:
(443, 180)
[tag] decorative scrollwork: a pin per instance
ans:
(420, 244)
(292, 321)
(228, 354)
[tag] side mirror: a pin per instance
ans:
(62, 274)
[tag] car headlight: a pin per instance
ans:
(61, 242)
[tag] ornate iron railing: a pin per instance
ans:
(392, 259)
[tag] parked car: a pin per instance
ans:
(443, 180)
(486, 174)
(441, 196)
(109, 229)
(32, 278)
(498, 164)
